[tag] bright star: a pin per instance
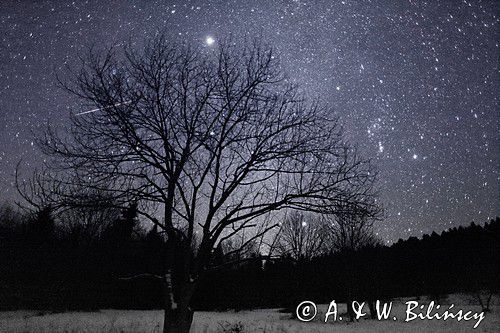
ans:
(209, 40)
(380, 147)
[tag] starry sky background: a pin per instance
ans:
(416, 84)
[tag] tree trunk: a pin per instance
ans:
(178, 315)
(371, 306)
(178, 320)
(350, 310)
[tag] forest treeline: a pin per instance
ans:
(93, 265)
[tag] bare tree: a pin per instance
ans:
(83, 215)
(87, 224)
(211, 143)
(350, 231)
(302, 236)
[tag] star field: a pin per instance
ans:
(415, 84)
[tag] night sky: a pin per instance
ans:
(416, 84)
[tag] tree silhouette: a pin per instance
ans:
(302, 236)
(349, 232)
(121, 231)
(211, 143)
(41, 228)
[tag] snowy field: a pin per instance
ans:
(268, 321)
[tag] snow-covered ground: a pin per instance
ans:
(268, 321)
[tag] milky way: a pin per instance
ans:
(415, 84)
